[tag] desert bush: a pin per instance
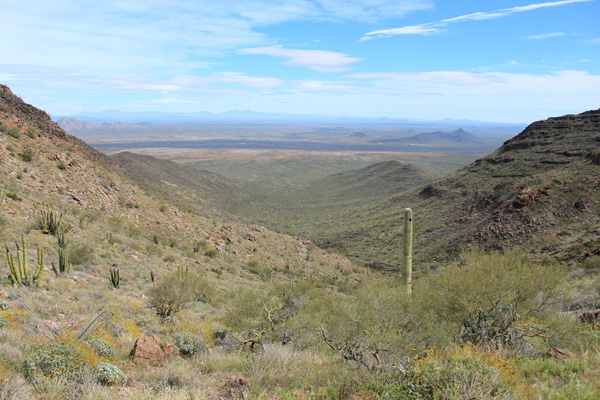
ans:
(212, 253)
(219, 333)
(13, 196)
(14, 132)
(371, 326)
(190, 344)
(109, 374)
(101, 347)
(31, 132)
(265, 273)
(497, 298)
(27, 155)
(61, 361)
(462, 374)
(168, 295)
(153, 250)
(81, 253)
(592, 265)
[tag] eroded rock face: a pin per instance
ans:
(147, 349)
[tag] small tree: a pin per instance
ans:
(170, 293)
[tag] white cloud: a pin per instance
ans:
(326, 86)
(251, 81)
(318, 60)
(434, 27)
(444, 77)
(545, 36)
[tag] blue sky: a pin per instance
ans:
(495, 60)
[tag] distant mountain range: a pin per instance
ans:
(74, 125)
(260, 117)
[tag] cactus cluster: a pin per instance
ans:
(115, 277)
(64, 266)
(47, 221)
(19, 272)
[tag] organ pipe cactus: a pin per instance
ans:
(64, 266)
(115, 278)
(19, 270)
(407, 253)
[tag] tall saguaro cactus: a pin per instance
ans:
(407, 254)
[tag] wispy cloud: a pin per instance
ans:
(318, 60)
(545, 36)
(438, 27)
(444, 77)
(326, 86)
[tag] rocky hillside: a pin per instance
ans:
(179, 184)
(137, 267)
(42, 164)
(538, 187)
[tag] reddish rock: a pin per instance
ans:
(147, 349)
(171, 350)
(48, 325)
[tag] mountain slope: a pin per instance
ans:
(456, 136)
(176, 183)
(540, 184)
(42, 164)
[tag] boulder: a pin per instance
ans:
(147, 349)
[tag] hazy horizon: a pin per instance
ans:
(515, 62)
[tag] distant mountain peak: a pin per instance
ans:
(457, 136)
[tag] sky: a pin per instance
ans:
(495, 60)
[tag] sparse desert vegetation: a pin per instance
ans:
(133, 291)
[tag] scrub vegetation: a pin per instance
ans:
(115, 289)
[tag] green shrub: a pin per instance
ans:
(109, 374)
(220, 332)
(14, 132)
(495, 298)
(592, 265)
(466, 378)
(60, 361)
(101, 348)
(212, 253)
(168, 295)
(81, 253)
(190, 344)
(265, 273)
(13, 196)
(27, 155)
(31, 132)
